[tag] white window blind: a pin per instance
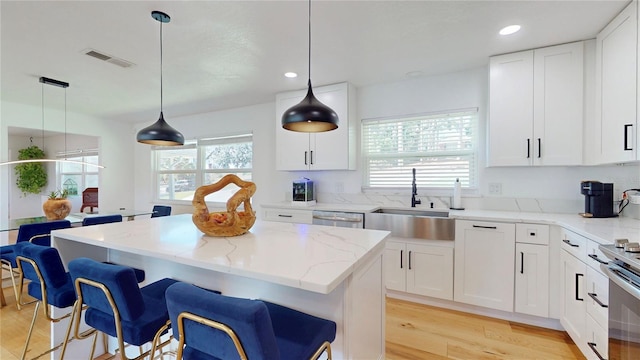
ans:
(442, 147)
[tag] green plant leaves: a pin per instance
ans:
(31, 177)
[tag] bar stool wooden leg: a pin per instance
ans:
(3, 301)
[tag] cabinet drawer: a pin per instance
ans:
(597, 339)
(598, 297)
(575, 245)
(532, 234)
(595, 257)
(289, 215)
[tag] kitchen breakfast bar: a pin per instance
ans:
(330, 272)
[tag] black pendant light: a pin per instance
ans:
(160, 133)
(310, 115)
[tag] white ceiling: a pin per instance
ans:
(225, 54)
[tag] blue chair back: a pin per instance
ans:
(161, 210)
(249, 319)
(105, 219)
(28, 231)
(121, 282)
(58, 285)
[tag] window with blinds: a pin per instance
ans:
(442, 147)
(180, 170)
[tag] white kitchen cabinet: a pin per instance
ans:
(484, 266)
(616, 90)
(532, 269)
(289, 215)
(573, 316)
(585, 295)
(419, 268)
(331, 150)
(536, 107)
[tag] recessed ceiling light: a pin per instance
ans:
(413, 74)
(511, 29)
(290, 74)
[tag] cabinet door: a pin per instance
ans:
(394, 265)
(430, 271)
(574, 311)
(292, 148)
(616, 76)
(558, 104)
(330, 150)
(532, 279)
(484, 266)
(511, 109)
(598, 297)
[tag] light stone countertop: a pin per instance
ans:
(601, 230)
(310, 257)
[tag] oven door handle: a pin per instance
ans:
(337, 218)
(616, 274)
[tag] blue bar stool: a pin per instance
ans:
(104, 219)
(212, 326)
(116, 305)
(50, 285)
(161, 210)
(40, 234)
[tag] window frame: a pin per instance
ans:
(82, 154)
(473, 152)
(200, 170)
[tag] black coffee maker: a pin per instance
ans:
(598, 199)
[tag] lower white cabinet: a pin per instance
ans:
(418, 267)
(532, 269)
(288, 215)
(484, 266)
(585, 295)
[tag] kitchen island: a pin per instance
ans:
(333, 273)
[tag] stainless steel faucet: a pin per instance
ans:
(414, 191)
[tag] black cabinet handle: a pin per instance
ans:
(311, 157)
(484, 227)
(596, 258)
(401, 253)
(578, 287)
(593, 348)
(528, 148)
(539, 148)
(286, 216)
(626, 137)
(409, 259)
(521, 262)
(594, 296)
(569, 243)
(305, 158)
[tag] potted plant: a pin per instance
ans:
(57, 207)
(31, 177)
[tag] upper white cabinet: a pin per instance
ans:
(616, 92)
(536, 101)
(331, 150)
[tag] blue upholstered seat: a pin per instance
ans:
(39, 233)
(264, 330)
(104, 219)
(139, 312)
(50, 283)
(161, 210)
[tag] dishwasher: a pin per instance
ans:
(338, 219)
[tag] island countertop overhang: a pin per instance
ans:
(310, 257)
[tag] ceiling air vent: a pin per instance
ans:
(108, 58)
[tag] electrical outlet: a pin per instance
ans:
(495, 188)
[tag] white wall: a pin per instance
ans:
(550, 188)
(115, 144)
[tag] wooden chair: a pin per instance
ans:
(89, 198)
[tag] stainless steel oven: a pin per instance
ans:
(624, 302)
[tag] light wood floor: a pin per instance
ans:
(413, 331)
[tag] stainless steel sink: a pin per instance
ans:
(417, 212)
(412, 223)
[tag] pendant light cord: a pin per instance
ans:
(65, 123)
(42, 103)
(161, 96)
(309, 42)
